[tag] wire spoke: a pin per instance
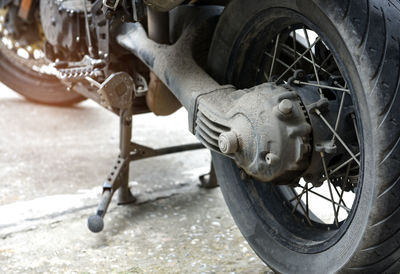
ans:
(301, 206)
(310, 190)
(294, 198)
(330, 187)
(297, 82)
(294, 47)
(343, 187)
(307, 208)
(286, 47)
(337, 192)
(277, 60)
(340, 201)
(327, 199)
(312, 58)
(343, 164)
(298, 198)
(339, 115)
(340, 112)
(337, 136)
(298, 59)
(274, 57)
(339, 85)
(324, 62)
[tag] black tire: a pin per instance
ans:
(36, 87)
(365, 38)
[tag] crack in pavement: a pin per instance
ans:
(29, 215)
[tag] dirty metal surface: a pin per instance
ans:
(52, 163)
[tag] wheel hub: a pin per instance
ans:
(265, 129)
(274, 132)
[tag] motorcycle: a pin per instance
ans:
(296, 100)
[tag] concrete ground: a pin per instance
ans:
(52, 165)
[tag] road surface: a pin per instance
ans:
(52, 165)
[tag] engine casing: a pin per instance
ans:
(64, 27)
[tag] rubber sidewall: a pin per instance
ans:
(222, 54)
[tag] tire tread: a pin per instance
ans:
(380, 47)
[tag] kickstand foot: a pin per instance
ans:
(95, 223)
(125, 196)
(209, 180)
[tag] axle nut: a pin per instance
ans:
(228, 142)
(285, 106)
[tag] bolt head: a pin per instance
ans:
(228, 142)
(272, 159)
(285, 106)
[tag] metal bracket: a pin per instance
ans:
(327, 147)
(101, 25)
(138, 10)
(141, 87)
(111, 4)
(117, 91)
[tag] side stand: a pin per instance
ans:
(118, 178)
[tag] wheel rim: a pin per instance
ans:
(305, 227)
(304, 193)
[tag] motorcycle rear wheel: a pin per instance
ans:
(364, 38)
